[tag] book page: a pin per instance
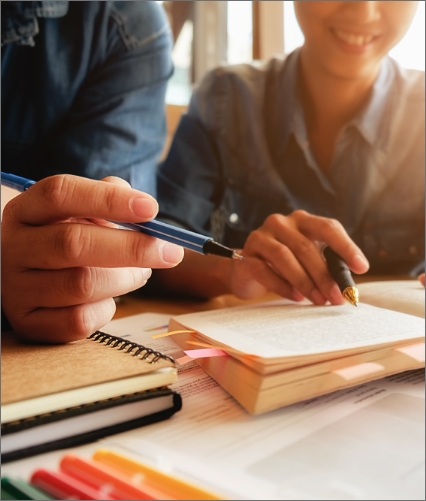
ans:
(365, 442)
(277, 329)
(406, 296)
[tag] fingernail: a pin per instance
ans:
(335, 295)
(361, 261)
(317, 297)
(171, 253)
(297, 296)
(145, 207)
(146, 274)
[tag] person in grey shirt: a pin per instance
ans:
(325, 145)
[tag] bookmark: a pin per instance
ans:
(172, 333)
(359, 370)
(416, 351)
(204, 353)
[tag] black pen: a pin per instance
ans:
(341, 275)
(164, 231)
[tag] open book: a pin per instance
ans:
(55, 396)
(281, 352)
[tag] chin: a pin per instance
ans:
(349, 71)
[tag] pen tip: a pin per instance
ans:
(235, 255)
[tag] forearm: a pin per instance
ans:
(197, 275)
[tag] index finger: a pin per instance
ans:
(63, 196)
(332, 233)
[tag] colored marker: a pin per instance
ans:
(175, 487)
(19, 489)
(62, 486)
(97, 476)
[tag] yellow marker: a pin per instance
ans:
(136, 471)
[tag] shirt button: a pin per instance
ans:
(412, 250)
(233, 218)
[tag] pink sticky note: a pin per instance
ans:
(416, 351)
(203, 353)
(359, 370)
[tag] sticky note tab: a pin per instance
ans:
(359, 370)
(172, 333)
(205, 353)
(416, 351)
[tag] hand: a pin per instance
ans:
(422, 278)
(282, 256)
(62, 263)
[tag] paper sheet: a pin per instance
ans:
(406, 296)
(278, 329)
(366, 442)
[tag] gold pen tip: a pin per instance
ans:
(351, 294)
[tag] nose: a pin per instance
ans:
(363, 12)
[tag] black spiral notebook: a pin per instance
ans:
(56, 396)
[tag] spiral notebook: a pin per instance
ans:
(55, 396)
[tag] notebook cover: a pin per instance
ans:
(59, 415)
(33, 370)
(94, 435)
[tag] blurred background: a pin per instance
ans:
(208, 34)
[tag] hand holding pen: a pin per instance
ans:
(282, 256)
(62, 264)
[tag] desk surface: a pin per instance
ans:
(302, 451)
(131, 304)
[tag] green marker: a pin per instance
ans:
(13, 488)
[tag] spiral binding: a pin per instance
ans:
(122, 344)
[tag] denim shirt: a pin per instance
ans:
(83, 88)
(242, 153)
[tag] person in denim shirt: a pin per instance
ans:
(274, 157)
(83, 87)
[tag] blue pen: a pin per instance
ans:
(158, 229)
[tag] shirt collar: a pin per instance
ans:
(374, 120)
(289, 105)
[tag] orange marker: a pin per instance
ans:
(100, 476)
(173, 486)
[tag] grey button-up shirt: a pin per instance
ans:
(242, 153)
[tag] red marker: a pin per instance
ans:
(63, 486)
(119, 485)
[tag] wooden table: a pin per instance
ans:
(131, 304)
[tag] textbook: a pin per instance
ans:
(280, 352)
(56, 396)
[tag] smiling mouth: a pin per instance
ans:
(353, 39)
